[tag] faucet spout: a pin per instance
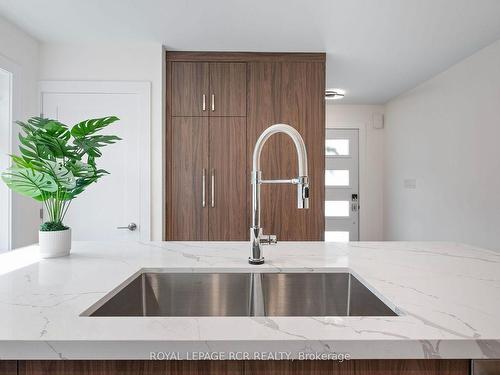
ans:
(297, 141)
(257, 238)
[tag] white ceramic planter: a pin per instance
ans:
(55, 243)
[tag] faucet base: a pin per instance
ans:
(255, 261)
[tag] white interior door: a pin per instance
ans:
(342, 185)
(116, 200)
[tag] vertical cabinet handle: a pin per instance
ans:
(213, 188)
(203, 178)
(204, 105)
(213, 102)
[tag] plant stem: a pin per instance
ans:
(66, 209)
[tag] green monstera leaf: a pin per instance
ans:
(63, 176)
(29, 182)
(81, 169)
(90, 145)
(56, 163)
(88, 127)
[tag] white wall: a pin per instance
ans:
(5, 146)
(115, 62)
(446, 134)
(19, 54)
(371, 163)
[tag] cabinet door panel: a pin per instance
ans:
(130, 367)
(189, 158)
(285, 367)
(190, 89)
(229, 89)
(228, 219)
(291, 93)
(360, 367)
(8, 367)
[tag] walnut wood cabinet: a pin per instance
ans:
(208, 89)
(189, 186)
(228, 179)
(209, 183)
(228, 89)
(217, 105)
(290, 93)
(207, 153)
(190, 82)
(8, 367)
(352, 367)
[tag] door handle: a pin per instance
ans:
(213, 188)
(203, 182)
(131, 227)
(213, 102)
(354, 204)
(204, 105)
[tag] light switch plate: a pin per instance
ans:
(410, 183)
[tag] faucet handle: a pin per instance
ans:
(268, 239)
(303, 192)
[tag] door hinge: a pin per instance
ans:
(41, 213)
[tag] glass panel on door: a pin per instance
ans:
(341, 185)
(337, 208)
(337, 236)
(337, 177)
(337, 147)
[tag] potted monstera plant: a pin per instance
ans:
(55, 165)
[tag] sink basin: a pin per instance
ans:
(241, 294)
(319, 294)
(181, 294)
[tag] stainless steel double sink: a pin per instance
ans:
(241, 294)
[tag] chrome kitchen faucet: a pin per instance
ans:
(257, 238)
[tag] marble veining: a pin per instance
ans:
(447, 295)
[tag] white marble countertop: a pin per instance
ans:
(448, 296)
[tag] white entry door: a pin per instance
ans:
(117, 206)
(342, 185)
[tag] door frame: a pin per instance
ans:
(143, 90)
(15, 114)
(361, 127)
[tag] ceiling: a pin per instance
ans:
(376, 49)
